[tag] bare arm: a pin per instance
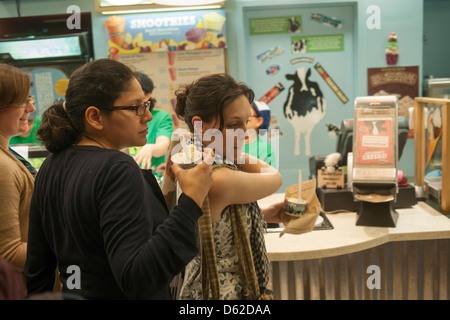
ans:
(228, 187)
(157, 149)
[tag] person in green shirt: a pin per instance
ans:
(28, 137)
(160, 128)
(257, 144)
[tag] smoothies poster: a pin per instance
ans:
(169, 31)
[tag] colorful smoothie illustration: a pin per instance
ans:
(171, 56)
(116, 29)
(214, 23)
(195, 34)
(173, 73)
(206, 34)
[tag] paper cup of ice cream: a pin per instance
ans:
(188, 157)
(295, 207)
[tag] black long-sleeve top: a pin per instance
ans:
(95, 209)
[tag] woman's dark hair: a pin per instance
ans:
(14, 86)
(208, 96)
(146, 83)
(147, 86)
(97, 83)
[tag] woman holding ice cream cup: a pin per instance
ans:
(216, 109)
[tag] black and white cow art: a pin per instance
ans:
(305, 106)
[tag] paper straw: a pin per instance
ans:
(186, 149)
(299, 184)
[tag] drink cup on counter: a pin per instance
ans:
(173, 73)
(116, 29)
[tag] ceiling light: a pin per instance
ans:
(186, 8)
(188, 2)
(104, 3)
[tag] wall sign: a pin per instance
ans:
(270, 25)
(327, 21)
(319, 43)
(169, 31)
(402, 82)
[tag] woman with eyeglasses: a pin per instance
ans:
(95, 214)
(153, 153)
(16, 181)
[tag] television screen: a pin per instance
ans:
(42, 48)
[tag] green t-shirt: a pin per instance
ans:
(161, 125)
(262, 150)
(31, 139)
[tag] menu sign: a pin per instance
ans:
(375, 138)
(171, 69)
(375, 141)
(402, 82)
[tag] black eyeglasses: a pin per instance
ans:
(140, 109)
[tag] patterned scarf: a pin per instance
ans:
(253, 262)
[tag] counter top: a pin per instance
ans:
(420, 222)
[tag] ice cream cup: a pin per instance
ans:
(187, 161)
(391, 59)
(295, 207)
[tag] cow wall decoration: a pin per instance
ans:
(305, 106)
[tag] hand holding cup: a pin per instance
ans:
(196, 181)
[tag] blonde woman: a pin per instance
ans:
(16, 181)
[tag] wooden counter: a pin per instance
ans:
(332, 264)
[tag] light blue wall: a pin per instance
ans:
(405, 17)
(436, 45)
(368, 51)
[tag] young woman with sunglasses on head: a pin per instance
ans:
(94, 209)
